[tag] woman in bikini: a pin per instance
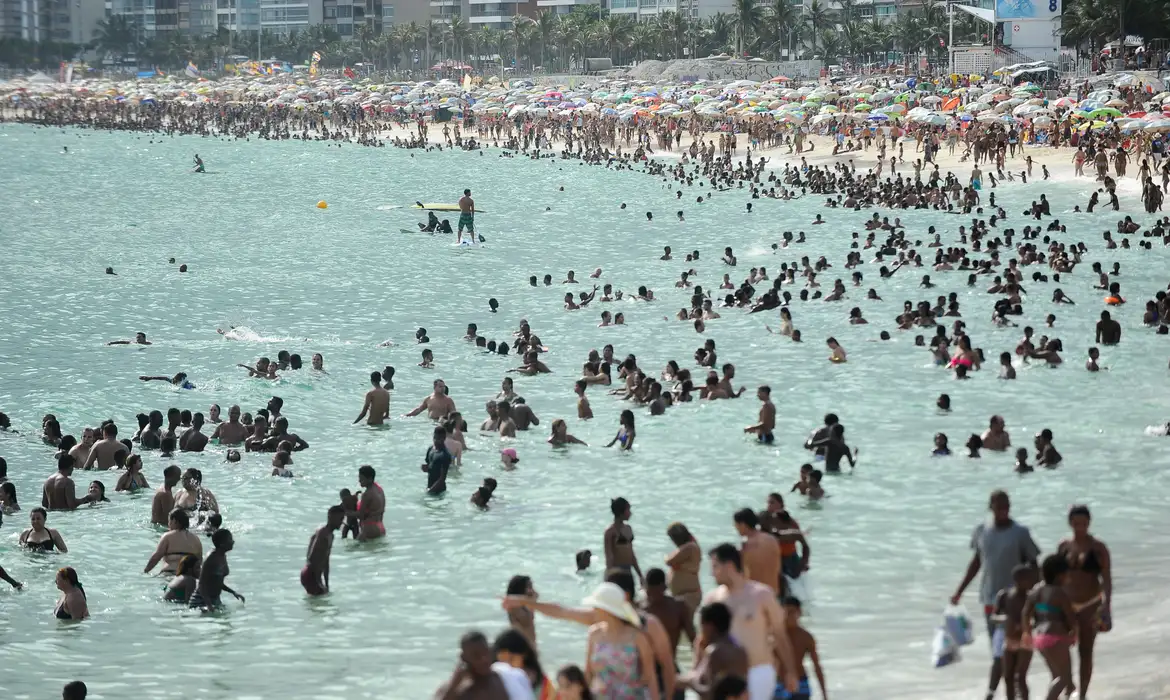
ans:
(1050, 623)
(684, 562)
(1089, 585)
(39, 538)
(71, 605)
(133, 478)
(619, 540)
(175, 544)
(625, 434)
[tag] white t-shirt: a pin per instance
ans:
(515, 681)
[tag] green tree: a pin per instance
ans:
(746, 21)
(116, 36)
(818, 17)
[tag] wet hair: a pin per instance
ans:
(368, 472)
(679, 534)
(519, 585)
(1079, 509)
(9, 490)
(618, 506)
(189, 564)
(167, 444)
(718, 616)
(575, 676)
(180, 516)
(42, 511)
(729, 688)
(64, 461)
(627, 418)
(69, 574)
(74, 690)
(513, 641)
(727, 553)
(220, 538)
(1054, 566)
(656, 577)
(747, 516)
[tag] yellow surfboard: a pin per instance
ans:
(441, 207)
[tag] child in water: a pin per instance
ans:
(349, 501)
(1006, 642)
(803, 645)
(814, 491)
(806, 471)
(1022, 466)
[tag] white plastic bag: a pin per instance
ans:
(958, 624)
(943, 650)
(998, 642)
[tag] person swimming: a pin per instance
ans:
(431, 225)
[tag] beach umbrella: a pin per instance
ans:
(1105, 112)
(1064, 102)
(894, 109)
(934, 120)
(931, 100)
(1136, 115)
(1119, 104)
(862, 107)
(878, 118)
(1158, 125)
(950, 103)
(1042, 120)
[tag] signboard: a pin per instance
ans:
(1027, 9)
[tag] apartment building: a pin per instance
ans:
(51, 20)
(646, 10)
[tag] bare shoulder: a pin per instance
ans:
(718, 595)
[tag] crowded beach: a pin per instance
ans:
(863, 147)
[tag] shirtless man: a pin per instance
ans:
(995, 437)
(1108, 330)
(164, 501)
(466, 216)
(139, 339)
(504, 423)
(377, 403)
(522, 415)
(437, 404)
(761, 551)
(233, 432)
(371, 506)
(757, 623)
(672, 612)
(803, 645)
(59, 491)
(194, 440)
(492, 424)
(767, 423)
(105, 451)
(315, 574)
(473, 678)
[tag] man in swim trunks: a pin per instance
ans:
(767, 423)
(466, 216)
(105, 451)
(760, 551)
(803, 645)
(757, 623)
(377, 403)
(371, 506)
(315, 574)
(59, 493)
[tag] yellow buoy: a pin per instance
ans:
(322, 204)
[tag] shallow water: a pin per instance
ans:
(888, 546)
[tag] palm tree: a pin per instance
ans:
(616, 30)
(116, 35)
(746, 20)
(642, 40)
(783, 21)
(546, 24)
(364, 37)
(818, 17)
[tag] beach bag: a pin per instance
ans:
(943, 650)
(958, 625)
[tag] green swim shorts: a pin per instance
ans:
(467, 221)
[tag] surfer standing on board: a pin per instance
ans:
(466, 217)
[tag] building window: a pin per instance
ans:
(330, 12)
(345, 10)
(387, 11)
(345, 29)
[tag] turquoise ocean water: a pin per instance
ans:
(888, 546)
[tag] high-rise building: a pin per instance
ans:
(285, 16)
(646, 10)
(71, 21)
(564, 7)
